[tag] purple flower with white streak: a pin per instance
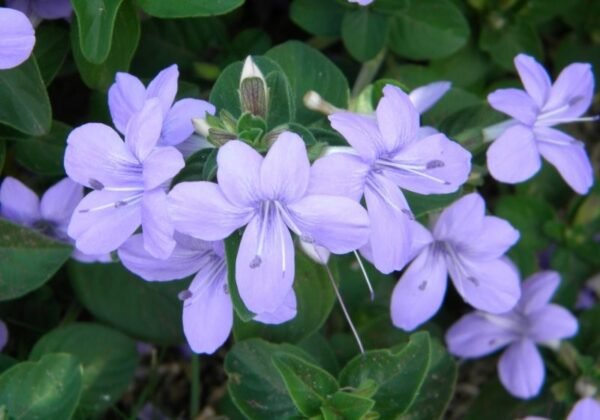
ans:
(470, 247)
(515, 154)
(585, 409)
(128, 95)
(50, 215)
(269, 195)
(3, 335)
(532, 321)
(38, 10)
(17, 38)
(207, 307)
(129, 180)
(389, 153)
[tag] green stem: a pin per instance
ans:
(195, 391)
(367, 73)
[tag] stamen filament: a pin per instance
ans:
(120, 203)
(553, 121)
(256, 261)
(365, 275)
(413, 169)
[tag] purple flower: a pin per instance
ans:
(467, 245)
(3, 335)
(389, 153)
(532, 321)
(269, 195)
(207, 310)
(515, 155)
(50, 215)
(130, 180)
(17, 38)
(585, 409)
(38, 10)
(128, 95)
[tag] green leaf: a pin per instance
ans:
(308, 69)
(466, 126)
(232, 244)
(149, 311)
(313, 309)
(307, 384)
(318, 17)
(51, 48)
(349, 406)
(28, 259)
(44, 154)
(25, 103)
(506, 42)
(108, 357)
(428, 29)
(127, 32)
(47, 389)
(95, 24)
(364, 33)
(422, 205)
(201, 166)
(254, 382)
(2, 153)
(400, 374)
(188, 8)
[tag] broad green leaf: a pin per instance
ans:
(127, 32)
(146, 310)
(399, 373)
(318, 17)
(109, 359)
(44, 154)
(25, 103)
(588, 337)
(307, 384)
(254, 383)
(364, 33)
(46, 389)
(422, 205)
(349, 406)
(28, 259)
(308, 69)
(95, 24)
(504, 43)
(313, 309)
(51, 48)
(428, 29)
(466, 126)
(188, 8)
(201, 166)
(2, 153)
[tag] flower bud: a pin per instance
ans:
(253, 90)
(201, 126)
(314, 102)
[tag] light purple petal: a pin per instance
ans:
(516, 103)
(285, 171)
(444, 166)
(184, 261)
(361, 132)
(420, 291)
(265, 280)
(572, 92)
(17, 38)
(420, 238)
(52, 9)
(514, 157)
(338, 224)
(585, 409)
(143, 129)
(59, 201)
(81, 257)
(104, 230)
(18, 203)
(491, 286)
(239, 173)
(492, 241)
(463, 218)
(339, 174)
(397, 117)
(521, 369)
(177, 126)
(157, 226)
(569, 158)
(161, 165)
(537, 291)
(164, 88)
(424, 97)
(286, 312)
(390, 218)
(3, 335)
(125, 97)
(534, 77)
(474, 335)
(201, 210)
(95, 152)
(552, 322)
(208, 314)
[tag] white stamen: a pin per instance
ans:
(556, 142)
(280, 228)
(265, 210)
(116, 204)
(375, 187)
(413, 169)
(554, 121)
(365, 275)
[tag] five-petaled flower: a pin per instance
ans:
(515, 154)
(470, 247)
(532, 321)
(270, 195)
(390, 153)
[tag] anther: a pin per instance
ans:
(120, 204)
(433, 164)
(226, 288)
(97, 185)
(307, 238)
(184, 295)
(473, 280)
(422, 286)
(409, 213)
(256, 261)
